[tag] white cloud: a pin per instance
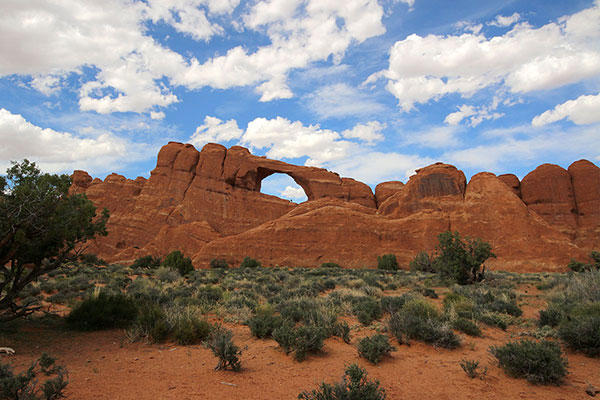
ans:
(158, 115)
(474, 115)
(341, 100)
(583, 110)
(504, 21)
(294, 193)
(59, 151)
(215, 130)
(528, 145)
(524, 59)
(369, 132)
(437, 137)
(375, 167)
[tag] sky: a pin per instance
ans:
(370, 89)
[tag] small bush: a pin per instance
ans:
(175, 260)
(551, 316)
(367, 310)
(264, 322)
(222, 346)
(580, 329)
(391, 304)
(25, 385)
(422, 263)
(91, 258)
(309, 339)
(103, 312)
(150, 323)
(218, 263)
(420, 320)
(466, 326)
(330, 265)
(387, 262)
(538, 362)
(354, 386)
(285, 336)
(249, 262)
(189, 329)
(147, 262)
(374, 348)
(470, 367)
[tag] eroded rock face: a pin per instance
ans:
(208, 204)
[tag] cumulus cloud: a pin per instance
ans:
(375, 167)
(583, 110)
(474, 115)
(524, 59)
(130, 71)
(57, 151)
(293, 193)
(504, 21)
(369, 132)
(341, 100)
(215, 130)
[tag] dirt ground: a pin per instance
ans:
(104, 365)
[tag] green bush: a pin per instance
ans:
(374, 348)
(580, 329)
(218, 263)
(367, 310)
(264, 322)
(285, 336)
(538, 362)
(354, 386)
(24, 386)
(105, 311)
(422, 263)
(594, 263)
(301, 340)
(91, 258)
(222, 346)
(387, 262)
(249, 262)
(466, 326)
(391, 304)
(150, 323)
(188, 328)
(146, 262)
(551, 316)
(175, 260)
(470, 367)
(420, 320)
(462, 260)
(330, 265)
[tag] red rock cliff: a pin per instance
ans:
(208, 204)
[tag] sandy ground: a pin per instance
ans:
(104, 365)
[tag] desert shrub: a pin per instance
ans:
(391, 304)
(580, 329)
(146, 262)
(367, 310)
(298, 309)
(471, 368)
(354, 386)
(420, 320)
(330, 265)
(91, 258)
(387, 262)
(594, 263)
(539, 362)
(188, 328)
(167, 275)
(341, 330)
(551, 316)
(466, 326)
(24, 386)
(428, 292)
(422, 263)
(222, 346)
(249, 262)
(374, 348)
(218, 263)
(104, 311)
(495, 319)
(494, 307)
(264, 322)
(175, 260)
(150, 323)
(285, 335)
(209, 294)
(300, 340)
(462, 260)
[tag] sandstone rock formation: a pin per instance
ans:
(208, 204)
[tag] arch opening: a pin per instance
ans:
(282, 185)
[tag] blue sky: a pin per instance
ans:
(371, 89)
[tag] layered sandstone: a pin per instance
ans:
(209, 205)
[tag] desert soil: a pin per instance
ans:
(104, 365)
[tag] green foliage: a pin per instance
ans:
(594, 263)
(104, 311)
(91, 258)
(151, 323)
(367, 310)
(354, 386)
(264, 322)
(300, 340)
(24, 386)
(462, 260)
(420, 320)
(330, 265)
(580, 329)
(146, 262)
(375, 347)
(387, 262)
(41, 226)
(218, 263)
(175, 260)
(249, 262)
(422, 263)
(222, 346)
(188, 328)
(466, 326)
(470, 367)
(538, 362)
